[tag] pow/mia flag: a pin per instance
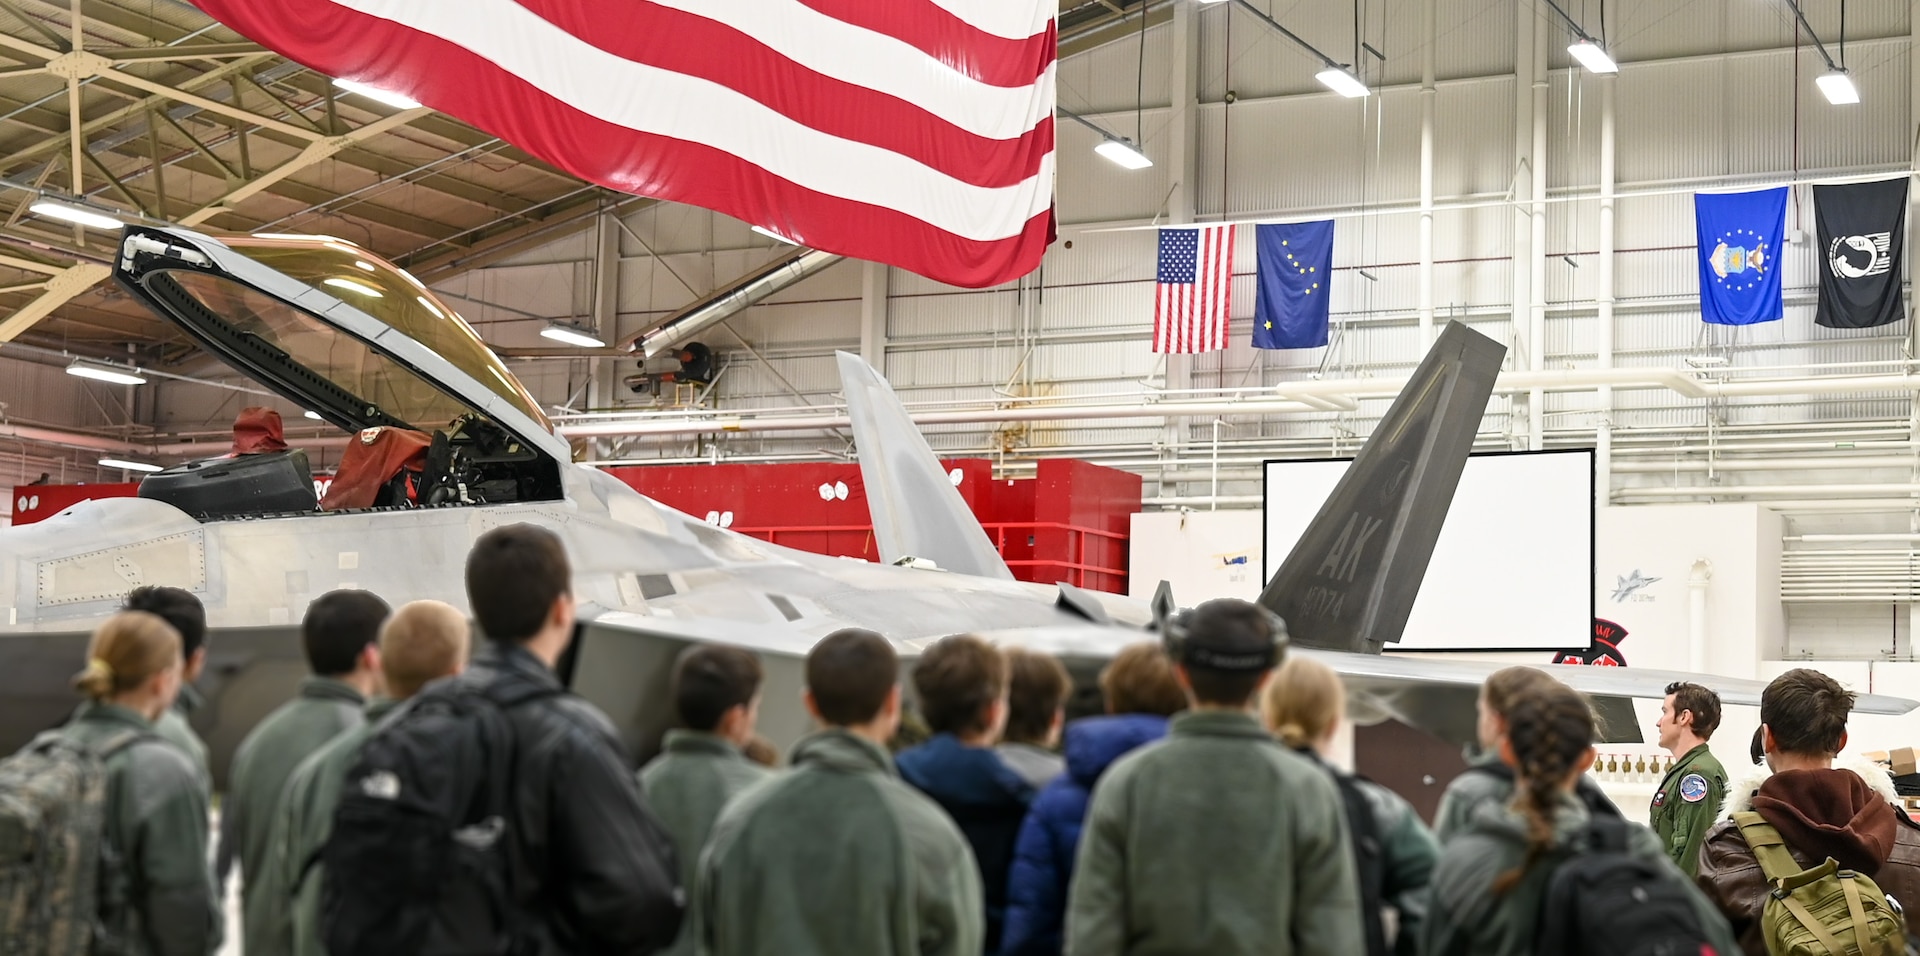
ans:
(1861, 227)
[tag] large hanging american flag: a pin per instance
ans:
(1193, 289)
(917, 133)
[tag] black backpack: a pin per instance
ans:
(1602, 899)
(424, 858)
(1369, 858)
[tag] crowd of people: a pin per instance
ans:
(428, 792)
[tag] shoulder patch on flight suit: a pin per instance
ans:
(1660, 798)
(1693, 788)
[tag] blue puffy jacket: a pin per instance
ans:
(1043, 857)
(986, 799)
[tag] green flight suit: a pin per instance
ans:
(174, 729)
(157, 822)
(324, 709)
(1686, 804)
(287, 910)
(837, 856)
(1216, 840)
(686, 786)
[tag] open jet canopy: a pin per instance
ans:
(332, 328)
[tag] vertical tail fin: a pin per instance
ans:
(917, 512)
(1350, 582)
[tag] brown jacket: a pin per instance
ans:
(1842, 813)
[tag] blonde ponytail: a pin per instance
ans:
(1303, 702)
(125, 652)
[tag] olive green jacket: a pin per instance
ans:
(1467, 918)
(174, 729)
(1216, 840)
(324, 709)
(686, 786)
(285, 914)
(1686, 804)
(834, 857)
(157, 824)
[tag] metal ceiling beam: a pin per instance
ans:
(314, 153)
(195, 51)
(69, 283)
(561, 221)
(106, 121)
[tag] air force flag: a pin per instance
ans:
(1862, 228)
(1740, 239)
(1296, 260)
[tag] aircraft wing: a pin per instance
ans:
(917, 512)
(1437, 695)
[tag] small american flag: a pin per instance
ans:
(1193, 291)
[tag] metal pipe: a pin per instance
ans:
(1698, 579)
(1762, 464)
(730, 301)
(1537, 308)
(1743, 491)
(1429, 94)
(724, 423)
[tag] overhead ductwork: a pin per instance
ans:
(730, 301)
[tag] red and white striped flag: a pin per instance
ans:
(1193, 289)
(917, 133)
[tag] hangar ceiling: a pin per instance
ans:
(180, 119)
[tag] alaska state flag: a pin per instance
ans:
(1741, 235)
(1295, 262)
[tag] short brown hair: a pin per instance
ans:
(514, 574)
(956, 679)
(711, 679)
(126, 651)
(422, 642)
(1806, 711)
(1037, 687)
(1704, 703)
(338, 626)
(850, 673)
(1504, 687)
(1140, 681)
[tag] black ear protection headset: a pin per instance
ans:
(1174, 635)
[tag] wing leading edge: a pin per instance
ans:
(1349, 584)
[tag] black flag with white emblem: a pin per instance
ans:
(1861, 227)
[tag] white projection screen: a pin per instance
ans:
(1513, 570)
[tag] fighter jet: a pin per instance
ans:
(364, 346)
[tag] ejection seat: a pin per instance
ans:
(260, 476)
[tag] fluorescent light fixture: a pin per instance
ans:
(130, 465)
(1593, 56)
(1342, 82)
(1837, 85)
(572, 335)
(68, 212)
(770, 234)
(313, 415)
(352, 286)
(101, 372)
(378, 95)
(1123, 153)
(430, 307)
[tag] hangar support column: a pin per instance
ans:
(1537, 248)
(1519, 192)
(1604, 295)
(1428, 95)
(1181, 161)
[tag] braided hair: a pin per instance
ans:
(1550, 727)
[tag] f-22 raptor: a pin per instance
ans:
(339, 332)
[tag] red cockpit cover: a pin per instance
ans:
(371, 460)
(257, 432)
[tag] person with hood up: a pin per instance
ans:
(1141, 693)
(1821, 811)
(1489, 888)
